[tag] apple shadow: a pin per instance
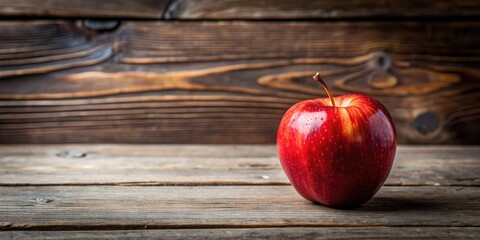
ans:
(391, 204)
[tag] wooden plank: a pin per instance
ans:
(326, 9)
(149, 82)
(240, 9)
(134, 207)
(149, 9)
(260, 233)
(209, 165)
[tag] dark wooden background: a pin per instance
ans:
(185, 71)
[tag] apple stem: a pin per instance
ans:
(319, 79)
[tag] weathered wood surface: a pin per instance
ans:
(325, 9)
(141, 207)
(301, 233)
(144, 9)
(138, 191)
(240, 9)
(174, 165)
(230, 82)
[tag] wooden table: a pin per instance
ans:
(218, 191)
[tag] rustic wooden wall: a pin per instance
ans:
(139, 72)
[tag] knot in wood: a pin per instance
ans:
(382, 61)
(71, 154)
(101, 25)
(43, 200)
(427, 122)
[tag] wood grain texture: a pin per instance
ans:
(239, 9)
(325, 9)
(174, 165)
(135, 207)
(79, 206)
(230, 82)
(259, 233)
(44, 46)
(150, 9)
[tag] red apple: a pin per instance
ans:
(337, 151)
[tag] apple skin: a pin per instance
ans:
(337, 156)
